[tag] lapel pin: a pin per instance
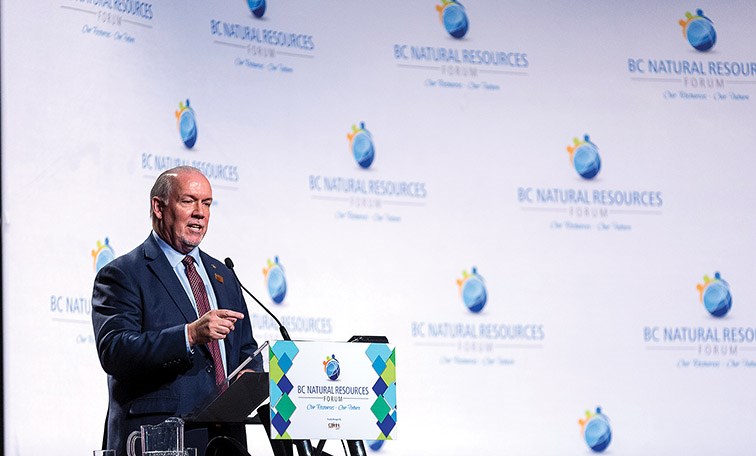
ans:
(219, 278)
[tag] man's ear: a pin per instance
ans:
(157, 208)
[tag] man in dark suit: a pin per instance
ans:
(163, 350)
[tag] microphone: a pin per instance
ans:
(284, 332)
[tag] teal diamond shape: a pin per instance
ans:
(285, 407)
(380, 408)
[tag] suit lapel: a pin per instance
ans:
(159, 265)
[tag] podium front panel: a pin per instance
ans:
(332, 390)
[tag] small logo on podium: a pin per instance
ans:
(331, 367)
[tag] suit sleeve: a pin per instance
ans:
(125, 347)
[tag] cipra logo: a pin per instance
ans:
(454, 18)
(361, 145)
(715, 295)
(472, 288)
(257, 7)
(186, 120)
(596, 430)
(584, 156)
(275, 280)
(331, 367)
(699, 31)
(102, 255)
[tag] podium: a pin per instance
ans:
(317, 390)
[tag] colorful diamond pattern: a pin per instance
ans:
(282, 355)
(383, 360)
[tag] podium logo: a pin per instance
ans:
(256, 7)
(699, 31)
(472, 289)
(187, 124)
(331, 367)
(102, 255)
(275, 280)
(715, 295)
(453, 17)
(596, 430)
(584, 156)
(361, 145)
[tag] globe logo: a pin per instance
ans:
(715, 295)
(257, 7)
(454, 18)
(585, 157)
(473, 290)
(187, 124)
(699, 31)
(275, 280)
(596, 430)
(361, 145)
(375, 445)
(331, 367)
(102, 254)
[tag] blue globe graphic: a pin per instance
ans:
(701, 34)
(717, 298)
(332, 369)
(257, 7)
(105, 256)
(188, 128)
(474, 294)
(587, 161)
(362, 149)
(375, 445)
(276, 284)
(455, 20)
(598, 434)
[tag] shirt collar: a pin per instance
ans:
(174, 257)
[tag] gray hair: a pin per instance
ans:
(164, 186)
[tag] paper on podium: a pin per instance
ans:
(236, 399)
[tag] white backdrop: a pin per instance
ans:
(573, 287)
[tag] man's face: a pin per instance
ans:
(183, 219)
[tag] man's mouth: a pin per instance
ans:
(195, 227)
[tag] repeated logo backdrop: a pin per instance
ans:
(547, 207)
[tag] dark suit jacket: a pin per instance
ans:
(139, 310)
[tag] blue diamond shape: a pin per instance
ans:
(379, 387)
(390, 395)
(379, 365)
(386, 425)
(285, 385)
(280, 424)
(284, 362)
(286, 347)
(378, 351)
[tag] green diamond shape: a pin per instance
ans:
(275, 372)
(393, 356)
(286, 407)
(380, 408)
(389, 374)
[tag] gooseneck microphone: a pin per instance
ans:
(284, 332)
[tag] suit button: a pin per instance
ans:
(208, 369)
